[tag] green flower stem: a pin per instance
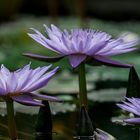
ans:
(11, 120)
(82, 85)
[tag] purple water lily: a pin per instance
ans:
(20, 84)
(132, 105)
(102, 135)
(80, 45)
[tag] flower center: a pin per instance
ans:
(8, 96)
(14, 94)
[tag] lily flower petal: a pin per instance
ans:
(19, 84)
(135, 121)
(109, 62)
(44, 58)
(41, 82)
(77, 44)
(131, 105)
(75, 60)
(27, 99)
(45, 97)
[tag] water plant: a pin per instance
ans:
(19, 86)
(82, 46)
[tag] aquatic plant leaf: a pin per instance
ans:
(107, 95)
(63, 82)
(55, 108)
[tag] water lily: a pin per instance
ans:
(19, 85)
(82, 45)
(102, 135)
(131, 105)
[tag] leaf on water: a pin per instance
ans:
(133, 88)
(107, 95)
(18, 108)
(65, 82)
(55, 108)
(105, 73)
(65, 107)
(120, 119)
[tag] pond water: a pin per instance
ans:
(64, 124)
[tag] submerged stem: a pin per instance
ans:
(11, 120)
(82, 85)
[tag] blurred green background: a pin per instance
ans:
(106, 85)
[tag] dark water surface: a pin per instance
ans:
(64, 124)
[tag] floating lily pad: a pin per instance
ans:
(107, 95)
(55, 108)
(65, 82)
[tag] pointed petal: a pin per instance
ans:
(133, 121)
(45, 97)
(109, 62)
(4, 70)
(44, 43)
(26, 99)
(4, 74)
(23, 77)
(22, 70)
(41, 39)
(129, 109)
(12, 82)
(56, 30)
(36, 75)
(96, 47)
(2, 84)
(41, 82)
(2, 91)
(44, 58)
(102, 135)
(76, 59)
(117, 51)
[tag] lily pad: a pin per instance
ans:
(65, 82)
(107, 95)
(55, 108)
